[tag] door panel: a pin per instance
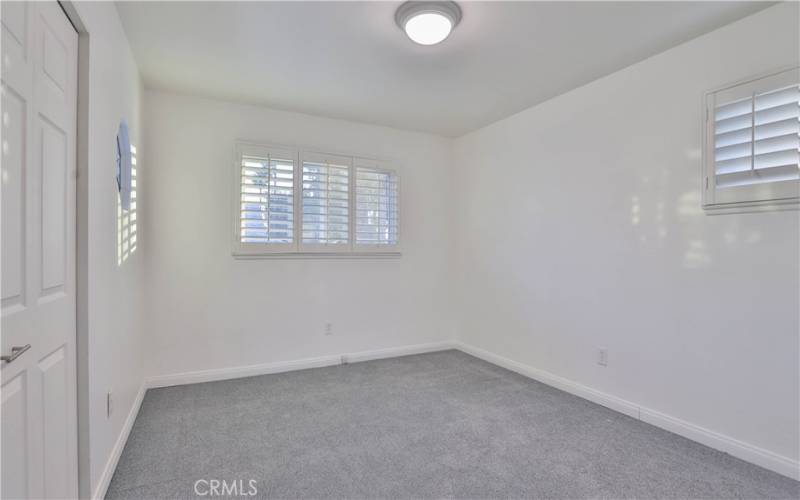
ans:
(13, 200)
(39, 116)
(54, 194)
(56, 415)
(54, 63)
(14, 19)
(16, 38)
(15, 432)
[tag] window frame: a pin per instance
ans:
(337, 159)
(753, 197)
(254, 249)
(297, 249)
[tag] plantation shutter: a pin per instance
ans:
(756, 140)
(376, 217)
(326, 201)
(266, 208)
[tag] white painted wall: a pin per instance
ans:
(111, 327)
(579, 226)
(207, 310)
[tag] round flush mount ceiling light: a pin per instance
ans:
(428, 23)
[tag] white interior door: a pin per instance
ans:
(39, 111)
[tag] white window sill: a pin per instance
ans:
(752, 207)
(318, 255)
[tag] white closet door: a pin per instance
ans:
(39, 114)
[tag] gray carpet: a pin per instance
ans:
(439, 425)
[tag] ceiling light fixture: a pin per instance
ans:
(428, 23)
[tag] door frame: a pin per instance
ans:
(82, 250)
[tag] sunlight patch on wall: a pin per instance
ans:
(126, 219)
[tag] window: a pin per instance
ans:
(376, 206)
(344, 204)
(752, 147)
(265, 199)
(326, 201)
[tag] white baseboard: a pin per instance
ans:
(750, 453)
(566, 385)
(199, 376)
(394, 352)
(111, 465)
(195, 377)
(739, 449)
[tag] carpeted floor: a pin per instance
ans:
(439, 425)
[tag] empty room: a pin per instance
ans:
(400, 250)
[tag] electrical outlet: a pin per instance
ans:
(602, 356)
(328, 328)
(109, 404)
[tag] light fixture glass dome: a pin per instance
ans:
(428, 28)
(428, 23)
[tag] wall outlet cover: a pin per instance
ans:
(602, 356)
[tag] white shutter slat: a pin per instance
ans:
(763, 117)
(782, 127)
(789, 95)
(725, 153)
(763, 176)
(788, 142)
(732, 124)
(762, 161)
(758, 148)
(730, 110)
(266, 199)
(376, 217)
(778, 113)
(380, 213)
(777, 159)
(735, 165)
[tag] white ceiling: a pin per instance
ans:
(349, 60)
